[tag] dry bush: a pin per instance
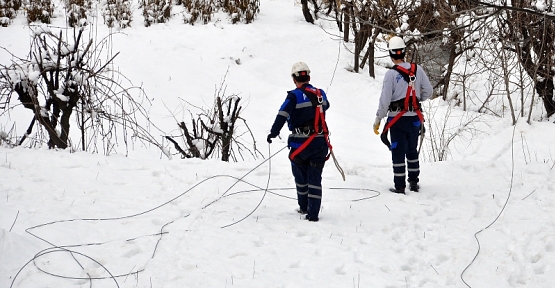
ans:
(117, 11)
(8, 11)
(241, 10)
(156, 11)
(77, 11)
(447, 128)
(238, 10)
(196, 10)
(216, 132)
(40, 10)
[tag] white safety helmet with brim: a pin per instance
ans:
(396, 46)
(300, 72)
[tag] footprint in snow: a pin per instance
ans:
(341, 270)
(297, 264)
(132, 252)
(550, 247)
(259, 242)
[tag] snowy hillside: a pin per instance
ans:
(483, 218)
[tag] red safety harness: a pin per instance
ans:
(410, 100)
(317, 100)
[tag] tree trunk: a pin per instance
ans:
(358, 49)
(447, 78)
(306, 12)
(346, 20)
(545, 91)
(360, 41)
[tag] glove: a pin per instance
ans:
(269, 138)
(377, 126)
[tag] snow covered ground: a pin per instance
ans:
(483, 218)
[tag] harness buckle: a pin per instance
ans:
(307, 131)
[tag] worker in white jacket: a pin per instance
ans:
(404, 87)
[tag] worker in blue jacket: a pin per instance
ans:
(303, 110)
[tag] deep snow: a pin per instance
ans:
(483, 218)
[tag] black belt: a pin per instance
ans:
(399, 105)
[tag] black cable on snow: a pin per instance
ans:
(66, 248)
(500, 212)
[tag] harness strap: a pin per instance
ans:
(319, 121)
(409, 75)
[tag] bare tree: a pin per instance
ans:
(64, 81)
(532, 36)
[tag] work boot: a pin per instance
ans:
(301, 211)
(413, 186)
(397, 190)
(311, 219)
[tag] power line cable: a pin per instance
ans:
(500, 212)
(65, 248)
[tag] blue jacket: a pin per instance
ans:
(297, 111)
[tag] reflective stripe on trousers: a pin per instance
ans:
(308, 178)
(404, 143)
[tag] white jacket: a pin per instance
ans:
(395, 88)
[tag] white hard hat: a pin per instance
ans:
(396, 43)
(300, 67)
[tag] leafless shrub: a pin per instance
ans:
(7, 138)
(65, 79)
(216, 132)
(198, 10)
(117, 11)
(241, 10)
(77, 11)
(442, 131)
(40, 10)
(8, 11)
(156, 11)
(238, 10)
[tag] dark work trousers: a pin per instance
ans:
(307, 170)
(404, 143)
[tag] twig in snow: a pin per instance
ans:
(529, 194)
(130, 272)
(253, 269)
(14, 220)
(434, 269)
